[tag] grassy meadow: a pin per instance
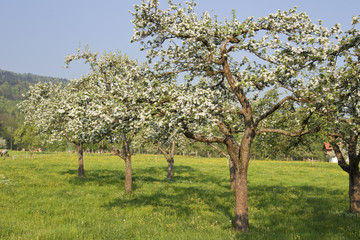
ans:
(42, 198)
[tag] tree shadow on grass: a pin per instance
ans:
(179, 200)
(183, 174)
(179, 196)
(140, 176)
(99, 177)
(300, 212)
(276, 211)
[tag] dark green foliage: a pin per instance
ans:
(13, 85)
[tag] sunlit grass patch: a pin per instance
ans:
(43, 198)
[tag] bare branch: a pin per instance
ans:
(223, 128)
(220, 151)
(164, 153)
(131, 136)
(239, 92)
(70, 140)
(281, 131)
(172, 150)
(337, 135)
(117, 151)
(201, 138)
(276, 107)
(349, 121)
(207, 139)
(292, 134)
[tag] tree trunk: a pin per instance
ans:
(169, 156)
(241, 203)
(127, 158)
(354, 191)
(128, 173)
(352, 169)
(81, 172)
(170, 173)
(241, 158)
(241, 192)
(232, 170)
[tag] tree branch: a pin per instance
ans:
(292, 134)
(207, 139)
(164, 153)
(117, 151)
(223, 128)
(70, 140)
(283, 132)
(220, 151)
(341, 161)
(276, 107)
(201, 138)
(172, 150)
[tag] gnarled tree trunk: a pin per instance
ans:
(170, 160)
(232, 170)
(241, 203)
(354, 174)
(241, 193)
(241, 158)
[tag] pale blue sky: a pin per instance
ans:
(36, 35)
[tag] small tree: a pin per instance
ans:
(166, 138)
(120, 98)
(61, 112)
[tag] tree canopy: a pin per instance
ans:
(239, 60)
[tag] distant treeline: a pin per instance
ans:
(12, 87)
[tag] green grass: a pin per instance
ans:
(42, 198)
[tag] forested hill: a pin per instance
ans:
(13, 85)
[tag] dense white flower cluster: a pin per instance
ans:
(337, 88)
(285, 43)
(115, 97)
(279, 51)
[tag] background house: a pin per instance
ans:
(328, 150)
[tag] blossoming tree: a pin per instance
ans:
(238, 59)
(165, 139)
(338, 95)
(61, 112)
(121, 100)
